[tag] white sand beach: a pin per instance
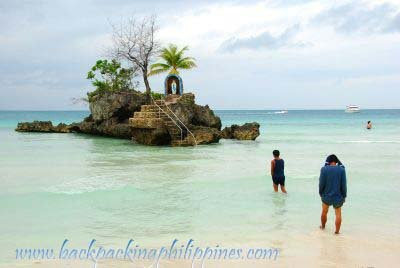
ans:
(317, 249)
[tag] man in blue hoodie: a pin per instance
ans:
(332, 189)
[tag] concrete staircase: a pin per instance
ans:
(158, 115)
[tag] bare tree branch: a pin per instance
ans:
(134, 41)
(79, 101)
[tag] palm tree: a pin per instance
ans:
(173, 60)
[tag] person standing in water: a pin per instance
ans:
(278, 172)
(332, 189)
(369, 125)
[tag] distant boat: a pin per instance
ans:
(282, 112)
(352, 109)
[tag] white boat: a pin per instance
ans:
(352, 109)
(282, 112)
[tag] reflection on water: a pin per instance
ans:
(279, 207)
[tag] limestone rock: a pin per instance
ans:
(204, 116)
(226, 133)
(119, 105)
(206, 135)
(112, 115)
(148, 136)
(105, 128)
(191, 113)
(62, 128)
(248, 131)
(42, 126)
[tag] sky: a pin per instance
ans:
(273, 54)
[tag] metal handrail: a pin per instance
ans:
(159, 109)
(195, 142)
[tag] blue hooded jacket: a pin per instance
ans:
(332, 184)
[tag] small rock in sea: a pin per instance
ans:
(248, 131)
(42, 126)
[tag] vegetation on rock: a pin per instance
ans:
(157, 96)
(109, 77)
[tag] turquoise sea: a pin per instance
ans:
(79, 187)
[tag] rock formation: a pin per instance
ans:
(206, 135)
(117, 107)
(176, 121)
(110, 113)
(42, 126)
(248, 131)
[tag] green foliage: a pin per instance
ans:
(157, 96)
(109, 76)
(173, 60)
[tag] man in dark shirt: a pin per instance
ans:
(332, 189)
(278, 172)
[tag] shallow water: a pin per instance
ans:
(57, 186)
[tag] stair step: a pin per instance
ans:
(170, 121)
(160, 102)
(147, 115)
(168, 124)
(149, 108)
(146, 122)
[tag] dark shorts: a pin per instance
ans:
(335, 205)
(278, 180)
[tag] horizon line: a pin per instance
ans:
(215, 109)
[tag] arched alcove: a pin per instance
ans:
(173, 85)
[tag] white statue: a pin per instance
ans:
(173, 86)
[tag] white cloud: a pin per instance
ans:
(264, 41)
(208, 27)
(361, 16)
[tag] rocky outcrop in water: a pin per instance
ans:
(248, 131)
(184, 122)
(116, 107)
(42, 126)
(176, 120)
(156, 136)
(110, 113)
(193, 114)
(206, 135)
(110, 127)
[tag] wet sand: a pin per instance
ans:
(317, 249)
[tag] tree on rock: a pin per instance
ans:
(109, 76)
(135, 42)
(173, 61)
